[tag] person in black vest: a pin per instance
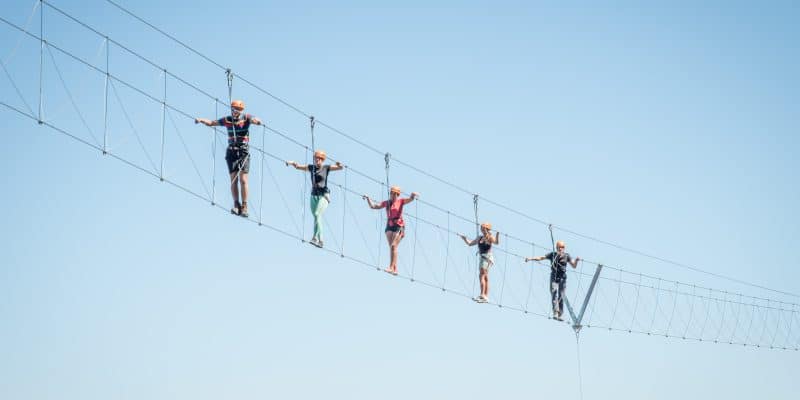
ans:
(484, 242)
(320, 194)
(238, 153)
(558, 275)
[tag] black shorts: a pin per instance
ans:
(238, 160)
(395, 228)
(558, 277)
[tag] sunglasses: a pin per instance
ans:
(237, 109)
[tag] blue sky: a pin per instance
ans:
(670, 129)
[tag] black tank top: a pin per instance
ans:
(319, 179)
(483, 247)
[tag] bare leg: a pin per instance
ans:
(397, 238)
(393, 238)
(390, 241)
(485, 283)
(235, 187)
(244, 179)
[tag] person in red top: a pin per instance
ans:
(395, 226)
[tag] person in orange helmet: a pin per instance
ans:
(484, 242)
(320, 194)
(558, 275)
(395, 226)
(237, 155)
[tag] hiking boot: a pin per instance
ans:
(236, 208)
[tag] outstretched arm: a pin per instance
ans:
(256, 121)
(337, 167)
(371, 204)
(539, 258)
(413, 197)
(301, 167)
(206, 122)
(574, 262)
(472, 242)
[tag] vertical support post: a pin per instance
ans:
(309, 163)
(530, 281)
(447, 254)
(735, 323)
(477, 234)
(505, 272)
(41, 59)
(380, 232)
(261, 187)
(163, 125)
(724, 309)
(344, 209)
(779, 310)
(674, 306)
(105, 103)
(691, 312)
(214, 154)
(655, 309)
(789, 334)
(304, 202)
(414, 248)
(764, 324)
(636, 306)
(386, 158)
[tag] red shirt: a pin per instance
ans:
(394, 212)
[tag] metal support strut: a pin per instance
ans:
(163, 125)
(213, 154)
(229, 75)
(477, 224)
(105, 103)
(386, 158)
(576, 321)
(261, 187)
(312, 123)
(477, 234)
(41, 60)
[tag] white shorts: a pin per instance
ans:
(487, 260)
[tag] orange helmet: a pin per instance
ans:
(320, 154)
(486, 225)
(237, 104)
(395, 189)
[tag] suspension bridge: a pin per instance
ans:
(163, 142)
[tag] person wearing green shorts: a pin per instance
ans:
(320, 194)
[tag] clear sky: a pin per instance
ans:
(667, 128)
